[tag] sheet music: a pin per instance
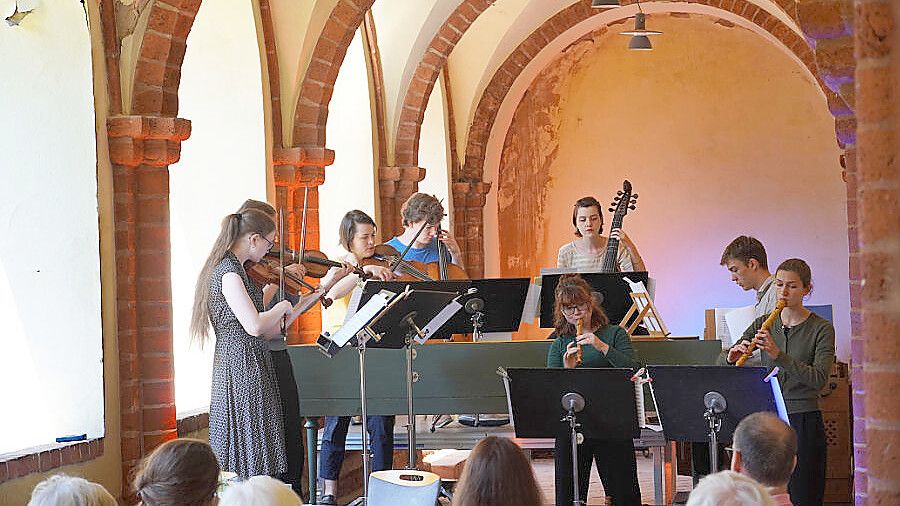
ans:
(531, 310)
(439, 320)
(353, 305)
(737, 320)
(779, 399)
(362, 318)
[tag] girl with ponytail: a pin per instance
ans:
(246, 429)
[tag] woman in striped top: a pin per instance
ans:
(585, 253)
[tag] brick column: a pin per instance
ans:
(468, 224)
(878, 201)
(295, 169)
(857, 337)
(395, 185)
(141, 148)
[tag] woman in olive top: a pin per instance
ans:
(801, 344)
(603, 345)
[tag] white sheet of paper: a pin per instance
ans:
(531, 308)
(738, 320)
(362, 317)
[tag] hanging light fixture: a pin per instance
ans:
(640, 43)
(639, 36)
(604, 4)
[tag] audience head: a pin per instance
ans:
(259, 491)
(62, 490)
(728, 488)
(765, 449)
(181, 472)
(497, 473)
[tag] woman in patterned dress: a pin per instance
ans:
(246, 430)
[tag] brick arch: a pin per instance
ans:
(412, 112)
(495, 92)
(311, 111)
(141, 147)
(157, 72)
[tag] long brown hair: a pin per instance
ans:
(574, 290)
(234, 226)
(497, 473)
(181, 472)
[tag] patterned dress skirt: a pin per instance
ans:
(246, 427)
(245, 421)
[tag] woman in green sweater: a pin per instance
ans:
(801, 344)
(603, 345)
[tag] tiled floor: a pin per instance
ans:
(543, 470)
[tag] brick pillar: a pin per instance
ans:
(878, 202)
(857, 337)
(395, 185)
(141, 148)
(468, 224)
(296, 169)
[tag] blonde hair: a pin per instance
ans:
(234, 226)
(181, 472)
(261, 491)
(728, 488)
(497, 473)
(66, 490)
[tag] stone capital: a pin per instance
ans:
(146, 140)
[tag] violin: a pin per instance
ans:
(316, 263)
(266, 272)
(408, 270)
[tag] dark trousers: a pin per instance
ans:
(700, 460)
(616, 466)
(293, 428)
(807, 485)
(334, 437)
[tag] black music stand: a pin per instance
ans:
(557, 402)
(414, 315)
(614, 291)
(705, 403)
(390, 320)
(503, 301)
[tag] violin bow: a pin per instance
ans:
(281, 289)
(399, 259)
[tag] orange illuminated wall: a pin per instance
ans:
(721, 133)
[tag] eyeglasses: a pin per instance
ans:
(271, 244)
(570, 310)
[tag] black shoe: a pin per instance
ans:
(327, 499)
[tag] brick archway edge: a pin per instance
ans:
(510, 70)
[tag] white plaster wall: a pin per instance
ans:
(350, 181)
(51, 343)
(222, 164)
(433, 154)
(405, 28)
(297, 26)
